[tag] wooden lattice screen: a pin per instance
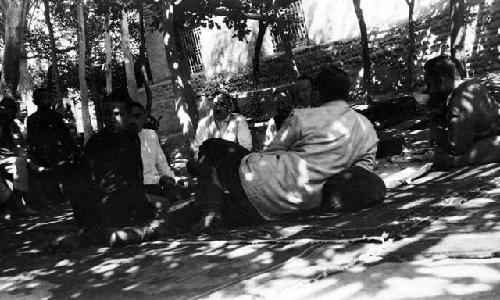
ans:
(192, 48)
(297, 28)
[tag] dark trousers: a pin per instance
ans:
(219, 185)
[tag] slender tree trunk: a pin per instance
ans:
(87, 127)
(53, 57)
(366, 51)
(479, 26)
(457, 28)
(13, 25)
(25, 86)
(128, 58)
(144, 60)
(95, 95)
(109, 55)
(411, 44)
(258, 48)
(185, 103)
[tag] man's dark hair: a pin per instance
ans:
(138, 105)
(120, 96)
(445, 66)
(332, 83)
(228, 99)
(38, 94)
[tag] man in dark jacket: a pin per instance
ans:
(111, 205)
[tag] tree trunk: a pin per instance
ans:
(480, 19)
(457, 28)
(95, 95)
(258, 48)
(14, 16)
(87, 126)
(411, 44)
(366, 51)
(109, 55)
(128, 58)
(25, 85)
(185, 103)
(143, 60)
(53, 57)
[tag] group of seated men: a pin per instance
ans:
(318, 155)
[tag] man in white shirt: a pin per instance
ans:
(223, 123)
(286, 178)
(156, 172)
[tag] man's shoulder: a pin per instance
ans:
(147, 133)
(472, 89)
(206, 120)
(238, 117)
(471, 85)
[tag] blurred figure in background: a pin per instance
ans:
(52, 150)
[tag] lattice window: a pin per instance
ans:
(296, 28)
(192, 48)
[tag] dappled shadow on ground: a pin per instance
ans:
(456, 256)
(281, 254)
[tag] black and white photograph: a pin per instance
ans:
(249, 149)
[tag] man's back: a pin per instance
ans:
(312, 145)
(472, 115)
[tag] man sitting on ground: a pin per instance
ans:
(304, 94)
(224, 124)
(465, 123)
(239, 188)
(284, 107)
(112, 205)
(156, 172)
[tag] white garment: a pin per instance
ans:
(154, 161)
(234, 129)
(312, 145)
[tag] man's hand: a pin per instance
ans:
(166, 181)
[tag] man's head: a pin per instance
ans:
(42, 97)
(10, 108)
(441, 74)
(283, 103)
(137, 116)
(303, 90)
(223, 105)
(332, 84)
(116, 111)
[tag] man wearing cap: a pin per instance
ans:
(223, 123)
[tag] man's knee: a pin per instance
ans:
(353, 189)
